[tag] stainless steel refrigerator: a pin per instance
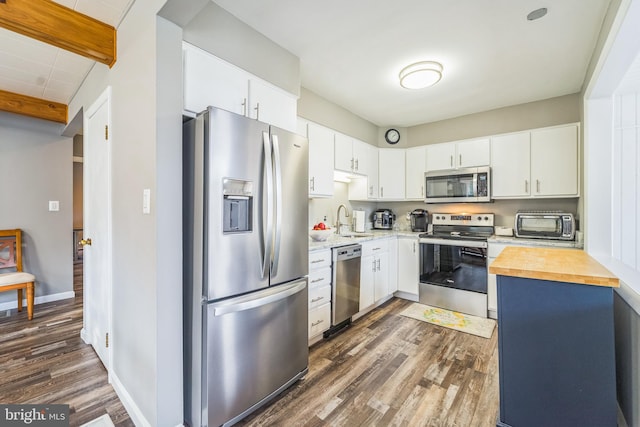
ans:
(246, 264)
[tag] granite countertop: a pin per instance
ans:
(555, 264)
(341, 240)
(511, 240)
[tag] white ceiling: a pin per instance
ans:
(30, 67)
(352, 51)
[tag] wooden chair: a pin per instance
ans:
(11, 259)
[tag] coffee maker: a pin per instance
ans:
(419, 220)
(383, 219)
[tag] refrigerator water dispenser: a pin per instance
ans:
(238, 201)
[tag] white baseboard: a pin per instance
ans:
(406, 295)
(85, 336)
(37, 300)
(129, 404)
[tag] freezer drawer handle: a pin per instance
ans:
(259, 301)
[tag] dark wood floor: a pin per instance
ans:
(389, 370)
(44, 361)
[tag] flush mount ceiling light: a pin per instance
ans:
(537, 14)
(420, 75)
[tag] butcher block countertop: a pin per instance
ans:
(555, 264)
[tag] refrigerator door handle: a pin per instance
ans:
(268, 234)
(262, 298)
(278, 213)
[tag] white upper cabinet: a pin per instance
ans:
(416, 166)
(510, 165)
(270, 104)
(459, 154)
(554, 161)
(391, 174)
(209, 80)
(320, 160)
(352, 155)
(538, 163)
(473, 152)
(441, 156)
(343, 153)
(366, 187)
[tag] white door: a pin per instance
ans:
(97, 226)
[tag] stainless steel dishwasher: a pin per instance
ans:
(346, 285)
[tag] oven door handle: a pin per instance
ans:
(452, 242)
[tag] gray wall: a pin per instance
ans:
(77, 183)
(549, 112)
(322, 111)
(35, 167)
(222, 34)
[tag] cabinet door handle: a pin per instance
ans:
(378, 265)
(317, 323)
(317, 299)
(381, 191)
(414, 247)
(317, 280)
(313, 183)
(460, 159)
(371, 190)
(317, 261)
(257, 111)
(526, 186)
(357, 167)
(422, 190)
(537, 185)
(352, 160)
(244, 107)
(451, 160)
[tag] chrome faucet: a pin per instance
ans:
(338, 223)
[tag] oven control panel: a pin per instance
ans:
(476, 219)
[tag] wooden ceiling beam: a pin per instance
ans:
(33, 107)
(52, 23)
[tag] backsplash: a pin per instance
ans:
(504, 210)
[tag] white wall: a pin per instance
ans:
(612, 168)
(147, 358)
(35, 167)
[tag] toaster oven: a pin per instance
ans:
(554, 225)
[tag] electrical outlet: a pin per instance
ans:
(54, 205)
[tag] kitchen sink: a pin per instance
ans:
(354, 235)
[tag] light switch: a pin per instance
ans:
(54, 205)
(146, 201)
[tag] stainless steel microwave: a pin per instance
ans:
(553, 225)
(460, 185)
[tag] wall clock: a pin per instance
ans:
(392, 136)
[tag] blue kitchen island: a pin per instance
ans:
(555, 339)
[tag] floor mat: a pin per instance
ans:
(451, 319)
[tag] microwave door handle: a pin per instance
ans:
(475, 185)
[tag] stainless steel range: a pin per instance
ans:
(453, 262)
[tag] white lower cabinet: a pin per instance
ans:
(408, 265)
(320, 275)
(374, 272)
(492, 287)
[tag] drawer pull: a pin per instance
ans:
(317, 299)
(317, 323)
(317, 261)
(318, 280)
(376, 249)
